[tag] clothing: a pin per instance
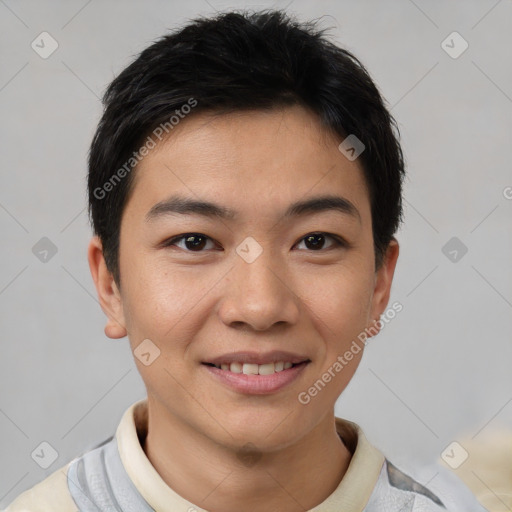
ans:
(118, 476)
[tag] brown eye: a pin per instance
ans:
(316, 241)
(193, 242)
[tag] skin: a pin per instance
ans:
(197, 305)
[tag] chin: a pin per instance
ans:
(267, 429)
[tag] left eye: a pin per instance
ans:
(195, 242)
(316, 240)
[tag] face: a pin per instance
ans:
(261, 285)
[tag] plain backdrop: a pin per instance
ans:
(439, 371)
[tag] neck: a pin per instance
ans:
(296, 478)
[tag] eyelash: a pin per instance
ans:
(339, 242)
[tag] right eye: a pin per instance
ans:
(193, 242)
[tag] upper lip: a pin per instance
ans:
(258, 358)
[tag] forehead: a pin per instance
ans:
(253, 162)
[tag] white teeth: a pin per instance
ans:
(266, 369)
(250, 369)
(236, 367)
(279, 367)
(256, 369)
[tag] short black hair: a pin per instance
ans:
(232, 61)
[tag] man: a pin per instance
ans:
(245, 188)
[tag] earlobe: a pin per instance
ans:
(382, 290)
(108, 293)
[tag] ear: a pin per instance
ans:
(108, 293)
(382, 289)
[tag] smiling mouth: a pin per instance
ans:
(257, 369)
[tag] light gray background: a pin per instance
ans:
(440, 370)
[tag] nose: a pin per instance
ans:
(259, 295)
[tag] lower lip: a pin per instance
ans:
(257, 384)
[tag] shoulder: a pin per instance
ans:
(428, 489)
(52, 493)
(57, 492)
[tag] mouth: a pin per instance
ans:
(257, 369)
(256, 374)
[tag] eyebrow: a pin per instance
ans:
(186, 206)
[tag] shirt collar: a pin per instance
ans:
(351, 494)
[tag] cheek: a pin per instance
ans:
(165, 305)
(341, 310)
(340, 301)
(155, 298)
